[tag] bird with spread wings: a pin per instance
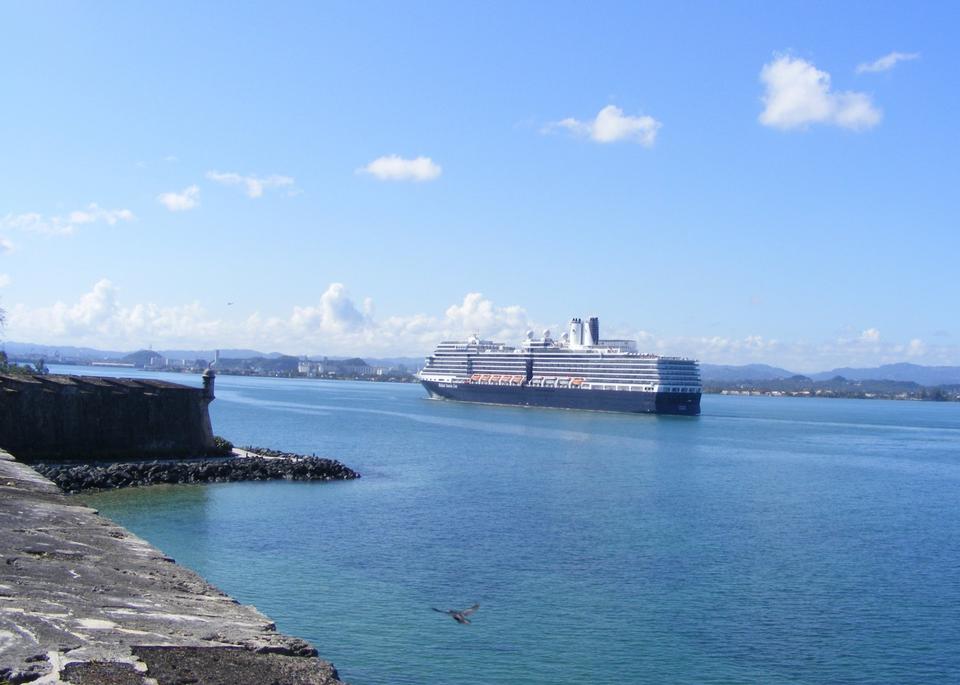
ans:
(458, 616)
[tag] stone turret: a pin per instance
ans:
(209, 378)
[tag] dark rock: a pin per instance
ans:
(271, 465)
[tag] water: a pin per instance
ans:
(769, 540)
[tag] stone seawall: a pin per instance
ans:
(83, 600)
(93, 418)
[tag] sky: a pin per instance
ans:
(744, 182)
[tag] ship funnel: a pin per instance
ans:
(593, 331)
(576, 332)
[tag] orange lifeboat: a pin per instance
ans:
(576, 381)
(476, 377)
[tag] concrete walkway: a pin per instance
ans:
(83, 600)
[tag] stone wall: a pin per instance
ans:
(94, 418)
(86, 601)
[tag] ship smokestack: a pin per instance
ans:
(594, 330)
(576, 332)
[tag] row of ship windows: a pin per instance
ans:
(564, 355)
(598, 377)
(484, 364)
(571, 371)
(572, 363)
(567, 360)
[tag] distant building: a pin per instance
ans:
(334, 367)
(305, 367)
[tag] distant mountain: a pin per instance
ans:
(411, 363)
(226, 352)
(711, 373)
(143, 358)
(282, 364)
(714, 373)
(15, 349)
(912, 373)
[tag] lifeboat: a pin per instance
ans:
(476, 377)
(576, 382)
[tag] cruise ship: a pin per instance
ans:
(578, 371)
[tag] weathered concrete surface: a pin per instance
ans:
(83, 600)
(92, 418)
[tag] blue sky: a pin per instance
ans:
(718, 180)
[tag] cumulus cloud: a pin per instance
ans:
(33, 222)
(799, 356)
(6, 246)
(798, 94)
(98, 318)
(5, 280)
(335, 313)
(611, 125)
(396, 168)
(916, 348)
(186, 199)
(336, 323)
(476, 314)
(253, 185)
(886, 62)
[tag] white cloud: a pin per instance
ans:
(396, 168)
(6, 246)
(916, 348)
(886, 62)
(337, 324)
(186, 199)
(612, 125)
(336, 313)
(93, 214)
(253, 185)
(5, 280)
(98, 318)
(33, 222)
(798, 94)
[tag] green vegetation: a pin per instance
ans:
(5, 365)
(838, 386)
(222, 447)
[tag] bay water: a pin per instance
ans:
(773, 540)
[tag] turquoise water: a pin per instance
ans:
(770, 540)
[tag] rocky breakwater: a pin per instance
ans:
(83, 600)
(258, 464)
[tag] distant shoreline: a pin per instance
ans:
(853, 390)
(946, 397)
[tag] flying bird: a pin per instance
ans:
(458, 616)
